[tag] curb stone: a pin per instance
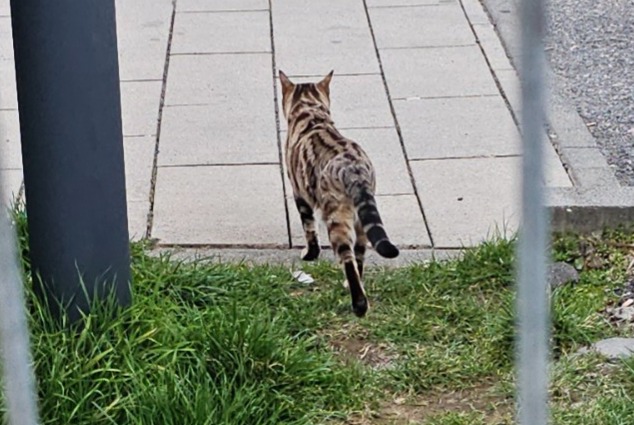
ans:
(290, 257)
(612, 348)
(596, 200)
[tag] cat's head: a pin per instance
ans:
(292, 93)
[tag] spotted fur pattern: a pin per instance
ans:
(332, 174)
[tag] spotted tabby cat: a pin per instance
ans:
(331, 173)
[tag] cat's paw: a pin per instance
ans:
(360, 307)
(310, 253)
(345, 284)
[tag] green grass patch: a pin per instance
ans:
(209, 343)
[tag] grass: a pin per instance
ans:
(209, 343)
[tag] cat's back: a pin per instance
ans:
(326, 145)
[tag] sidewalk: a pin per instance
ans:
(423, 85)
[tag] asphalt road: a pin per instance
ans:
(591, 44)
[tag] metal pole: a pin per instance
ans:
(72, 147)
(17, 375)
(532, 300)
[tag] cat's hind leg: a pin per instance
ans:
(360, 246)
(340, 224)
(311, 252)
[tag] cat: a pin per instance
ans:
(332, 174)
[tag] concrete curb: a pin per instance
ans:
(596, 199)
(290, 257)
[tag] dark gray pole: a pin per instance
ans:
(70, 119)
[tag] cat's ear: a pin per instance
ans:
(287, 85)
(325, 83)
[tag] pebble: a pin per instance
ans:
(561, 273)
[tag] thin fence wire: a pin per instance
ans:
(532, 298)
(19, 383)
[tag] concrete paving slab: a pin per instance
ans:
(140, 102)
(137, 219)
(457, 127)
(10, 181)
(555, 174)
(139, 160)
(384, 148)
(441, 25)
(510, 83)
(467, 200)
(5, 8)
(220, 5)
(209, 134)
(357, 101)
(220, 205)
(221, 32)
(143, 28)
(406, 3)
(403, 220)
(233, 81)
(139, 157)
(475, 12)
(441, 71)
(6, 38)
(401, 216)
(8, 90)
(492, 46)
(339, 39)
(10, 149)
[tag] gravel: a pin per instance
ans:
(591, 44)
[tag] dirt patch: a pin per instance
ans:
(377, 356)
(400, 410)
(353, 344)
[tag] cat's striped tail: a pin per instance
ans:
(372, 225)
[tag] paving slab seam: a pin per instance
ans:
(278, 126)
(223, 245)
(141, 80)
(185, 12)
(370, 127)
(596, 200)
(184, 105)
(466, 96)
(437, 46)
(403, 6)
(150, 215)
(345, 74)
(465, 157)
(221, 164)
(396, 124)
(258, 52)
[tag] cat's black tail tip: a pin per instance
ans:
(386, 249)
